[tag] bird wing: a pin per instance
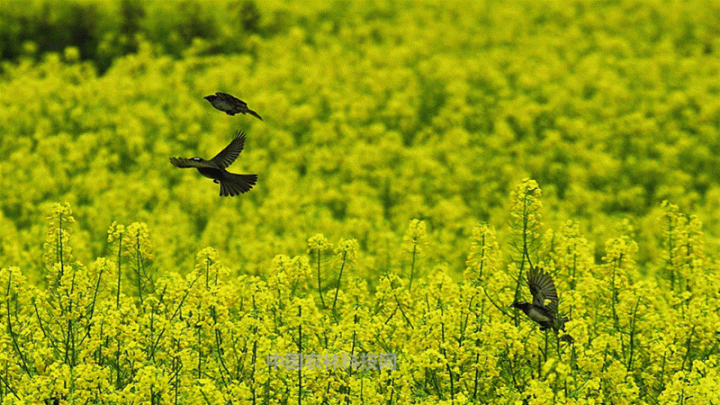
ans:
(228, 155)
(542, 289)
(540, 314)
(230, 99)
(185, 162)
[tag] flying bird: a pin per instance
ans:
(230, 104)
(544, 307)
(231, 184)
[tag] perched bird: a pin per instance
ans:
(231, 184)
(544, 308)
(230, 104)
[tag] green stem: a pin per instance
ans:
(687, 359)
(300, 352)
(207, 273)
(616, 263)
(447, 360)
(482, 255)
(60, 248)
(177, 310)
(199, 350)
(322, 301)
(119, 266)
(412, 266)
(42, 329)
(10, 330)
(632, 336)
(218, 348)
(139, 271)
(478, 329)
(118, 382)
(403, 313)
(12, 391)
(337, 288)
(670, 253)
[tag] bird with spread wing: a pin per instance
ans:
(544, 307)
(231, 184)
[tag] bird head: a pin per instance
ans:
(210, 98)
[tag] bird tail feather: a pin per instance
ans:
(232, 184)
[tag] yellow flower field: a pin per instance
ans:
(415, 160)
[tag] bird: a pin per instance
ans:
(230, 104)
(231, 184)
(544, 307)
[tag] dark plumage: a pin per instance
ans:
(544, 308)
(231, 184)
(230, 104)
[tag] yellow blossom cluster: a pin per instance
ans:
(314, 332)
